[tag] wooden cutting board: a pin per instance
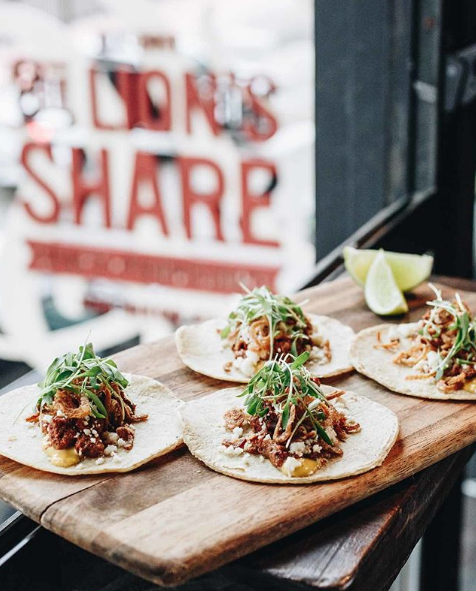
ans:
(175, 519)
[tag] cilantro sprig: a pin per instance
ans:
(83, 373)
(280, 311)
(284, 384)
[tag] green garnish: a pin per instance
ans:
(464, 326)
(280, 312)
(285, 384)
(88, 372)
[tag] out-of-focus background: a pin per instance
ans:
(151, 153)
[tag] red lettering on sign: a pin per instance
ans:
(251, 201)
(126, 86)
(268, 125)
(84, 189)
(181, 273)
(203, 101)
(162, 119)
(145, 171)
(53, 216)
(190, 197)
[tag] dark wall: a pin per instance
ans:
(363, 71)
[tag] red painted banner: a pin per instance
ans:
(94, 263)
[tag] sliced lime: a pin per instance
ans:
(382, 293)
(409, 270)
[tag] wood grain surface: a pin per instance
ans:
(174, 518)
(361, 548)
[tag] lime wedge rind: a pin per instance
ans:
(409, 270)
(382, 294)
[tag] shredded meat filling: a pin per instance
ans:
(88, 447)
(62, 432)
(71, 405)
(265, 435)
(235, 418)
(258, 340)
(67, 422)
(411, 357)
(438, 337)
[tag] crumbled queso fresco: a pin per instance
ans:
(290, 465)
(231, 451)
(400, 331)
(298, 448)
(248, 364)
(318, 355)
(430, 363)
(237, 433)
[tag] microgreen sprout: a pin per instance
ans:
(284, 383)
(463, 325)
(83, 373)
(281, 313)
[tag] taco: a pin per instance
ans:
(262, 327)
(89, 418)
(432, 358)
(287, 428)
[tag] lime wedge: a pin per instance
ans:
(382, 293)
(409, 270)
